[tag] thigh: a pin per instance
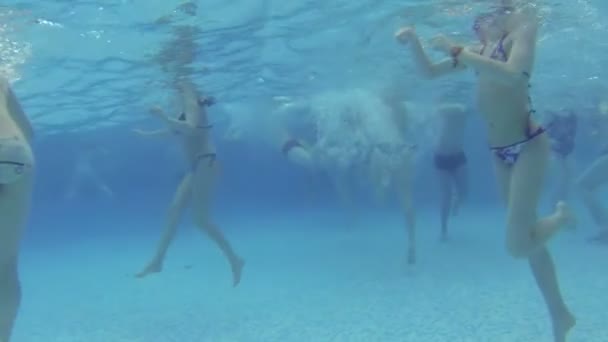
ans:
(203, 181)
(460, 176)
(183, 193)
(14, 209)
(503, 179)
(527, 181)
(445, 181)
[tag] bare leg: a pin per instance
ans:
(180, 200)
(543, 269)
(236, 262)
(592, 178)
(461, 183)
(202, 187)
(101, 185)
(404, 184)
(525, 232)
(15, 199)
(14, 206)
(410, 224)
(445, 205)
(10, 298)
(526, 235)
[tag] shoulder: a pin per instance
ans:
(527, 23)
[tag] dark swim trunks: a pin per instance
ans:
(450, 162)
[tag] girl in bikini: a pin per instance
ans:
(193, 127)
(521, 150)
(16, 175)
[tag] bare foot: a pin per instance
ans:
(237, 269)
(153, 267)
(565, 215)
(562, 326)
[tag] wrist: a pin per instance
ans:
(455, 53)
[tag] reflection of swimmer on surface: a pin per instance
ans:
(596, 175)
(86, 175)
(562, 128)
(16, 176)
(450, 161)
(504, 66)
(193, 129)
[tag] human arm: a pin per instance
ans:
(518, 67)
(423, 62)
(15, 109)
(155, 133)
(174, 125)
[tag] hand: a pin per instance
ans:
(442, 43)
(405, 34)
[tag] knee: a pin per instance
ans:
(516, 249)
(518, 244)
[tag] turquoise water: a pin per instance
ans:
(315, 271)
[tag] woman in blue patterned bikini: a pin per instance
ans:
(521, 150)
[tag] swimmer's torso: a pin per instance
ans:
(198, 142)
(451, 132)
(505, 107)
(506, 111)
